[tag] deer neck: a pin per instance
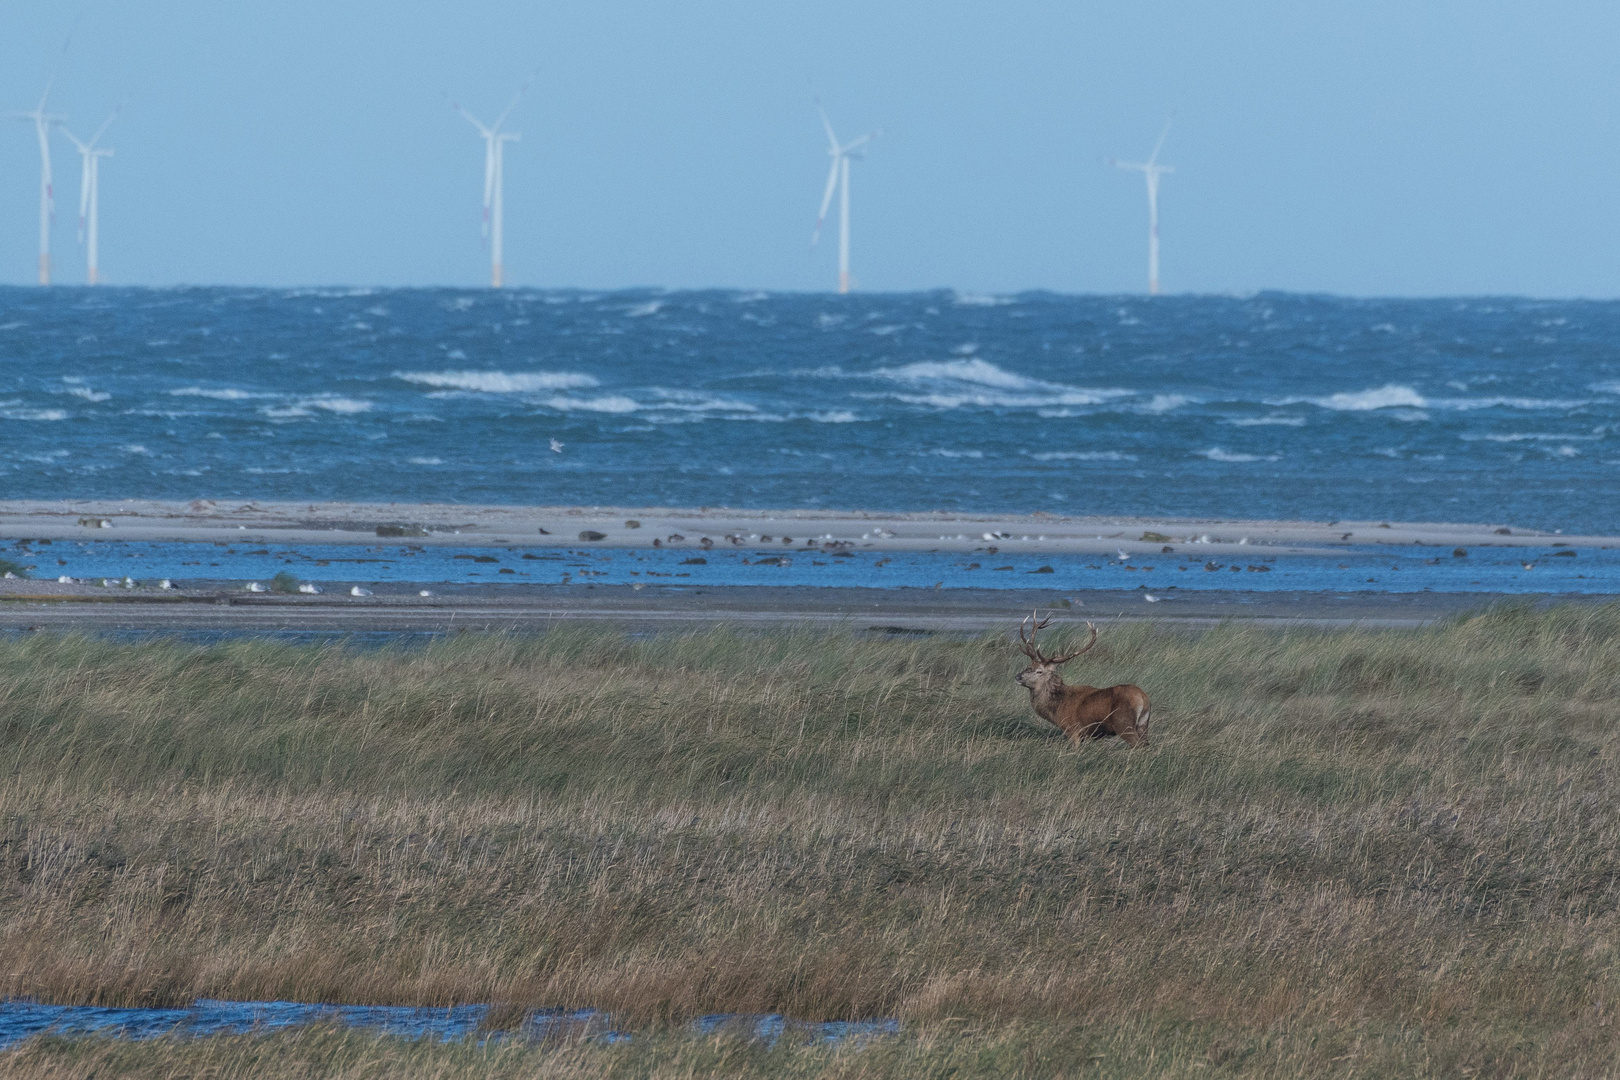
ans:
(1046, 698)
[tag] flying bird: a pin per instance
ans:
(556, 446)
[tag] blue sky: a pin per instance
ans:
(1369, 148)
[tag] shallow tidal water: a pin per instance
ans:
(1376, 568)
(20, 1020)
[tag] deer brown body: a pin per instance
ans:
(1081, 712)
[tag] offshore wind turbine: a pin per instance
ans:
(47, 199)
(89, 197)
(838, 178)
(494, 180)
(1151, 170)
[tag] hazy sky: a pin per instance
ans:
(1367, 147)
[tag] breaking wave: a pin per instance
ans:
(499, 382)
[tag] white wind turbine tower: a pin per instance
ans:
(47, 200)
(1152, 170)
(89, 197)
(838, 178)
(494, 140)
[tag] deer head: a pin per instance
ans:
(1042, 672)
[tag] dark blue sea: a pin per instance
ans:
(1274, 406)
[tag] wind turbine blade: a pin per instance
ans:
(471, 119)
(102, 130)
(524, 89)
(489, 179)
(1160, 144)
(826, 201)
(832, 140)
(84, 193)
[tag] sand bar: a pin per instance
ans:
(570, 526)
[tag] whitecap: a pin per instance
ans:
(833, 416)
(610, 403)
(1610, 387)
(425, 461)
(1466, 404)
(89, 394)
(222, 394)
(1267, 421)
(499, 382)
(134, 448)
(1525, 436)
(963, 299)
(940, 452)
(346, 406)
(1215, 453)
(33, 414)
(1163, 403)
(1384, 397)
(1082, 455)
(641, 311)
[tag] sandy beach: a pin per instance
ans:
(648, 527)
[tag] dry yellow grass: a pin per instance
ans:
(1393, 852)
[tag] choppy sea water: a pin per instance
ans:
(1489, 410)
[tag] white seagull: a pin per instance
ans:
(556, 446)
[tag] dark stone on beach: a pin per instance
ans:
(632, 524)
(1504, 532)
(1459, 553)
(1166, 550)
(592, 534)
(401, 530)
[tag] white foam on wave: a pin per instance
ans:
(641, 311)
(33, 414)
(1532, 404)
(608, 403)
(1163, 403)
(977, 383)
(1390, 396)
(942, 452)
(963, 299)
(1610, 387)
(425, 461)
(302, 407)
(1215, 453)
(1527, 436)
(500, 382)
(1267, 421)
(89, 394)
(833, 416)
(1082, 455)
(219, 394)
(346, 406)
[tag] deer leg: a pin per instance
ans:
(1133, 737)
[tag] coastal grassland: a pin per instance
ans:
(1354, 851)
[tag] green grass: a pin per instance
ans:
(1357, 852)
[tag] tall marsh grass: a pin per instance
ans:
(1349, 850)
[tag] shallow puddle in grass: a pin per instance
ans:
(21, 1019)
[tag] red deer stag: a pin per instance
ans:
(1081, 712)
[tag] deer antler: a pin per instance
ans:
(1028, 646)
(1077, 652)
